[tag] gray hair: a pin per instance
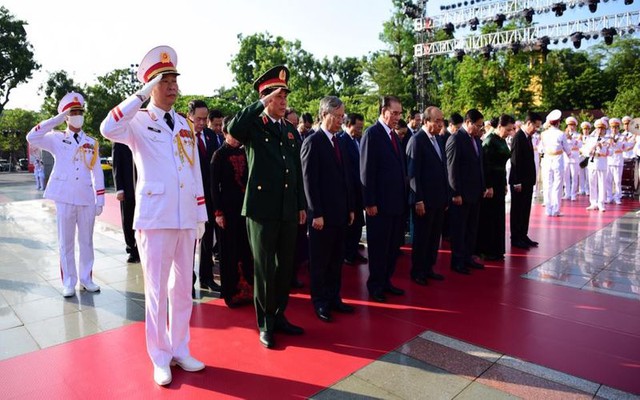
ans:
(329, 104)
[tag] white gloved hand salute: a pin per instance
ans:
(145, 92)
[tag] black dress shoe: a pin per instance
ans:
(394, 290)
(267, 340)
(360, 259)
(193, 293)
(461, 269)
(343, 308)
(492, 257)
(210, 285)
(530, 242)
(379, 297)
(349, 261)
(435, 276)
(288, 328)
(296, 284)
(323, 314)
(474, 265)
(419, 280)
(520, 244)
(133, 259)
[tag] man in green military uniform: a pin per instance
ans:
(274, 203)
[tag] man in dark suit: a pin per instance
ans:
(522, 179)
(428, 194)
(215, 120)
(274, 203)
(207, 145)
(326, 175)
(454, 123)
(466, 181)
(351, 140)
(382, 172)
(124, 177)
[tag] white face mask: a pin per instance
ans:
(76, 121)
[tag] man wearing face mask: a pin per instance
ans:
(170, 207)
(77, 187)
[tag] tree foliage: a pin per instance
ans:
(17, 63)
(14, 126)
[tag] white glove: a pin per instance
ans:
(145, 92)
(60, 118)
(98, 210)
(200, 230)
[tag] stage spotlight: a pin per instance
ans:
(595, 36)
(542, 45)
(472, 2)
(587, 37)
(514, 47)
(576, 38)
(441, 8)
(453, 6)
(628, 2)
(559, 9)
(593, 5)
(486, 51)
(564, 40)
(459, 53)
(449, 29)
(555, 41)
(466, 3)
(527, 14)
(499, 20)
(410, 10)
(631, 31)
(608, 34)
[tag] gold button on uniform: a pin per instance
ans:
(259, 187)
(149, 193)
(286, 185)
(181, 185)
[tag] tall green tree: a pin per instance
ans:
(57, 85)
(392, 70)
(101, 97)
(17, 62)
(14, 126)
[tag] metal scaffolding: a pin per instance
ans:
(485, 12)
(628, 21)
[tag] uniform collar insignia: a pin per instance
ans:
(152, 115)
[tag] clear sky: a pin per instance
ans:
(90, 38)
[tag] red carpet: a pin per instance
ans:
(591, 335)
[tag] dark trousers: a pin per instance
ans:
(273, 244)
(464, 230)
(426, 240)
(326, 253)
(127, 208)
(235, 255)
(206, 254)
(302, 250)
(385, 235)
(353, 235)
(491, 225)
(520, 212)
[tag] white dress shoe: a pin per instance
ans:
(188, 363)
(90, 287)
(68, 292)
(162, 375)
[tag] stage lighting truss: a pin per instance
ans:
(487, 11)
(607, 25)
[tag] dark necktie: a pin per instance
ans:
(394, 142)
(203, 150)
(435, 145)
(75, 137)
(336, 149)
(168, 120)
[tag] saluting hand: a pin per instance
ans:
(268, 98)
(145, 92)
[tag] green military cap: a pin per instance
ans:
(276, 77)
